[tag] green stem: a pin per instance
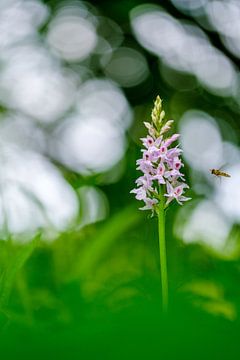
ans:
(162, 252)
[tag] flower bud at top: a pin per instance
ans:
(166, 127)
(151, 129)
(157, 114)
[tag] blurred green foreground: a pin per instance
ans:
(95, 294)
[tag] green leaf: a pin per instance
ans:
(107, 235)
(16, 262)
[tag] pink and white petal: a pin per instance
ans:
(170, 198)
(173, 138)
(184, 198)
(169, 188)
(158, 141)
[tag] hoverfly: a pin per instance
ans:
(219, 173)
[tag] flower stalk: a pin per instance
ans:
(162, 253)
(162, 180)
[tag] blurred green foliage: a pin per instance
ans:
(95, 293)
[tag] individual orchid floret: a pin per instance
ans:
(173, 138)
(141, 193)
(145, 166)
(177, 163)
(159, 174)
(145, 181)
(148, 141)
(162, 180)
(149, 204)
(176, 193)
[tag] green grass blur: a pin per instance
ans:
(95, 293)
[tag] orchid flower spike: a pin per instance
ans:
(160, 164)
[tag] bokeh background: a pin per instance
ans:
(78, 261)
